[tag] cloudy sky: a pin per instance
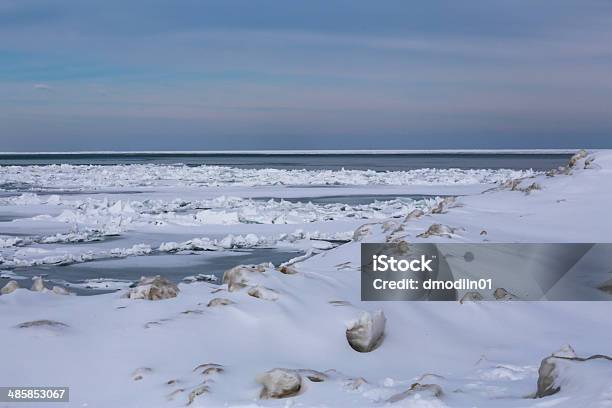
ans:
(248, 74)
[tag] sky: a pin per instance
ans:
(263, 74)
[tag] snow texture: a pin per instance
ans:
(119, 352)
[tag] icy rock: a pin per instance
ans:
(546, 378)
(606, 286)
(414, 214)
(313, 375)
(566, 351)
(58, 290)
(512, 184)
(547, 372)
(400, 248)
(209, 368)
(559, 371)
(42, 323)
(434, 390)
(366, 333)
(503, 294)
(390, 225)
(38, 285)
(200, 278)
(589, 162)
(287, 269)
(471, 297)
(238, 277)
(363, 231)
(139, 373)
(264, 293)
(439, 230)
(153, 288)
(10, 287)
(353, 384)
(174, 393)
(443, 205)
(577, 157)
(219, 302)
(197, 391)
(279, 383)
(531, 187)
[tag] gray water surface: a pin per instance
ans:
(336, 161)
(172, 267)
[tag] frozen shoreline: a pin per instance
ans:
(479, 354)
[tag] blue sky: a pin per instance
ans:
(179, 75)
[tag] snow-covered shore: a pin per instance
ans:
(118, 352)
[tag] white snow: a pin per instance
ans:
(434, 354)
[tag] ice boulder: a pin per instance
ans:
(471, 297)
(503, 294)
(38, 285)
(287, 269)
(153, 288)
(414, 214)
(420, 392)
(582, 154)
(10, 287)
(313, 375)
(141, 372)
(58, 290)
(364, 231)
(262, 292)
(366, 333)
(563, 371)
(439, 230)
(196, 392)
(239, 276)
(279, 383)
(606, 286)
(443, 205)
(219, 302)
(208, 369)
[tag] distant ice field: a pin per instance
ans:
(94, 223)
(351, 160)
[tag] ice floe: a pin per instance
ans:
(95, 177)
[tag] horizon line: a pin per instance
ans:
(298, 152)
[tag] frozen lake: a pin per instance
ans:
(95, 223)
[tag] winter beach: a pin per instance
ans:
(216, 331)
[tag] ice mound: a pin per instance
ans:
(153, 288)
(10, 287)
(366, 333)
(567, 374)
(280, 383)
